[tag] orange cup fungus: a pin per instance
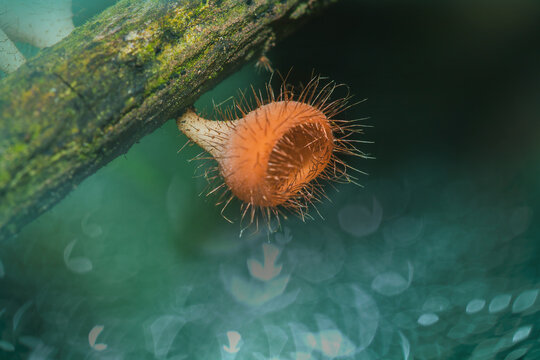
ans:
(274, 156)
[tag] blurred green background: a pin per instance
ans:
(436, 257)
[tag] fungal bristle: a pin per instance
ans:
(277, 154)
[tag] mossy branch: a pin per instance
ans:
(83, 102)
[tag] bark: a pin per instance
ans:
(85, 101)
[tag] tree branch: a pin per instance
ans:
(83, 102)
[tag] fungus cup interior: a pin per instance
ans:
(298, 157)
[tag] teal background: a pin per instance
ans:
(436, 257)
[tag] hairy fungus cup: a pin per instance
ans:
(274, 156)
